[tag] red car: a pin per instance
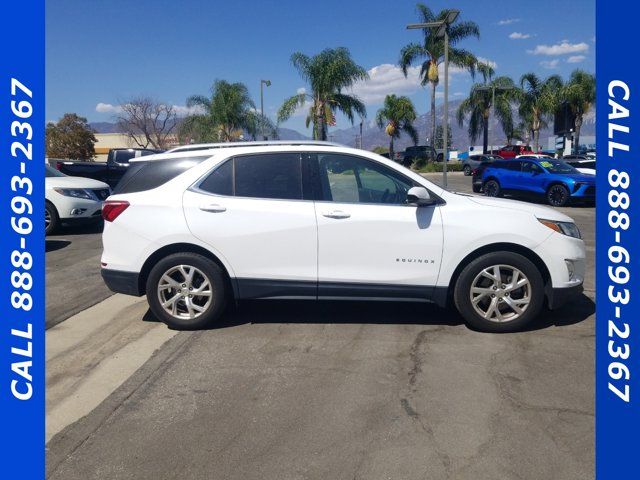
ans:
(511, 151)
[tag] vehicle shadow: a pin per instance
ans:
(69, 230)
(375, 313)
(53, 245)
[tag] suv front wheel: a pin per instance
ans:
(499, 292)
(186, 291)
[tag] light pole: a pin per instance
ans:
(268, 84)
(493, 89)
(442, 29)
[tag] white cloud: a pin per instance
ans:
(491, 63)
(561, 48)
(181, 110)
(387, 78)
(108, 108)
(519, 36)
(550, 64)
(508, 21)
(576, 58)
(301, 90)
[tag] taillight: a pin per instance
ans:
(113, 208)
(58, 165)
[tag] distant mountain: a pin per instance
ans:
(374, 136)
(104, 127)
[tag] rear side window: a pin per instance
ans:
(141, 176)
(513, 166)
(276, 176)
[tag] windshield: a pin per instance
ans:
(52, 172)
(557, 166)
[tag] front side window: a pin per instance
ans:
(530, 167)
(349, 179)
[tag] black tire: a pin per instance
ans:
(558, 195)
(476, 188)
(467, 170)
(53, 219)
(440, 157)
(492, 188)
(208, 270)
(507, 260)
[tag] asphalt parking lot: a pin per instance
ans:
(298, 390)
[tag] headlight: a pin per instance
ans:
(566, 228)
(75, 192)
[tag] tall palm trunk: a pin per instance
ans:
(485, 132)
(433, 115)
(576, 136)
(391, 148)
(536, 140)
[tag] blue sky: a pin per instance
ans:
(102, 52)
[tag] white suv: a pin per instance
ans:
(195, 229)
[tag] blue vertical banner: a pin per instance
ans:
(617, 242)
(22, 302)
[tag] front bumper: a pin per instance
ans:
(119, 281)
(557, 297)
(584, 192)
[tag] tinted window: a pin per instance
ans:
(277, 175)
(530, 167)
(350, 179)
(513, 165)
(141, 176)
(52, 172)
(220, 181)
(123, 156)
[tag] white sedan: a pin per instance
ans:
(72, 199)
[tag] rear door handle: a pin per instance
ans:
(213, 208)
(336, 214)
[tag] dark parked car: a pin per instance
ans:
(109, 172)
(474, 161)
(556, 181)
(476, 175)
(419, 152)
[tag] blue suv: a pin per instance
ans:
(554, 179)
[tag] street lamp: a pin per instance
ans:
(493, 88)
(442, 29)
(268, 84)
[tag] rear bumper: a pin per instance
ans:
(557, 297)
(122, 282)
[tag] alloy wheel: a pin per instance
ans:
(47, 218)
(557, 195)
(185, 292)
(500, 293)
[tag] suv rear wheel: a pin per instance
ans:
(492, 188)
(467, 170)
(499, 292)
(186, 291)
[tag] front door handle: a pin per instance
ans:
(336, 214)
(213, 208)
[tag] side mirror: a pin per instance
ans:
(419, 196)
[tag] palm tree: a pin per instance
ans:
(398, 114)
(225, 116)
(538, 99)
(431, 52)
(580, 95)
(478, 105)
(328, 74)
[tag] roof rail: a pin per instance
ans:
(206, 146)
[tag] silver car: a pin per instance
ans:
(474, 161)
